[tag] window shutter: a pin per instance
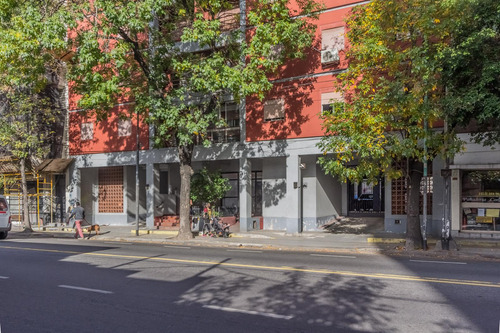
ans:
(274, 109)
(332, 39)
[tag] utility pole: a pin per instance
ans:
(424, 219)
(138, 144)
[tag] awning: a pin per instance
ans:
(55, 165)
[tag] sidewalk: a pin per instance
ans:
(325, 242)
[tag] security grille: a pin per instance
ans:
(110, 199)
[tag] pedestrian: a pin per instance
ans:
(79, 213)
(207, 211)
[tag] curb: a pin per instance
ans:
(385, 240)
(155, 232)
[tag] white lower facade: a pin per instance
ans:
(277, 185)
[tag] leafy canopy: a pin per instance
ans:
(32, 34)
(472, 69)
(208, 187)
(391, 90)
(179, 60)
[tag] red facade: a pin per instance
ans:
(114, 134)
(298, 90)
(301, 85)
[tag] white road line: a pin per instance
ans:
(177, 247)
(441, 262)
(249, 251)
(86, 289)
(264, 314)
(331, 255)
(4, 277)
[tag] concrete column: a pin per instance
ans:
(345, 198)
(293, 195)
(73, 181)
(245, 194)
(456, 200)
(150, 190)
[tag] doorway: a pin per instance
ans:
(366, 198)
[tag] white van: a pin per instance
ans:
(5, 223)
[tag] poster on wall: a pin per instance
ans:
(366, 188)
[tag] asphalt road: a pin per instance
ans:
(49, 285)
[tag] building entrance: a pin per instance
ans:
(366, 197)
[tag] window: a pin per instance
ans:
(124, 127)
(87, 131)
(481, 200)
(327, 99)
(229, 112)
(276, 52)
(230, 201)
(332, 39)
(229, 18)
(163, 182)
(332, 42)
(399, 191)
(274, 109)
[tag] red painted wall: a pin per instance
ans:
(302, 100)
(105, 138)
(302, 96)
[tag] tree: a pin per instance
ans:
(208, 186)
(393, 97)
(31, 33)
(471, 71)
(131, 49)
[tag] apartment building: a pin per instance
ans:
(269, 154)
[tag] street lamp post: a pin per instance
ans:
(137, 177)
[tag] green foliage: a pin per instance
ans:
(26, 125)
(131, 48)
(31, 36)
(392, 90)
(472, 69)
(208, 186)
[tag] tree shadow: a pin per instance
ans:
(272, 193)
(320, 303)
(296, 96)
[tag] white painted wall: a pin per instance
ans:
(274, 204)
(328, 196)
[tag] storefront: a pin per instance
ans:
(480, 200)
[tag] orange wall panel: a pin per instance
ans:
(302, 103)
(300, 84)
(105, 132)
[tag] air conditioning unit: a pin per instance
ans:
(329, 56)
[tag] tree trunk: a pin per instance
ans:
(24, 188)
(186, 172)
(413, 231)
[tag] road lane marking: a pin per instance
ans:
(86, 289)
(440, 262)
(4, 277)
(177, 247)
(331, 255)
(257, 313)
(273, 268)
(248, 251)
